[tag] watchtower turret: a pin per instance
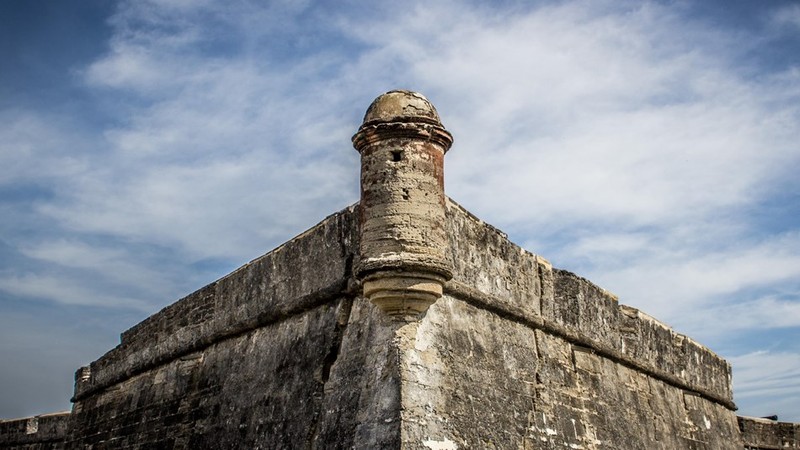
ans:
(404, 259)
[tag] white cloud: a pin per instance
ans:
(688, 287)
(766, 382)
(788, 17)
(761, 313)
(563, 115)
(35, 148)
(215, 209)
(576, 117)
(115, 264)
(227, 158)
(66, 290)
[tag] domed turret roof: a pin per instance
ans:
(401, 106)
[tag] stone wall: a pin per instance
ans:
(44, 432)
(541, 358)
(285, 353)
(307, 271)
(766, 434)
(241, 363)
(497, 275)
(527, 388)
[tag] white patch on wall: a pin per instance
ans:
(446, 444)
(32, 425)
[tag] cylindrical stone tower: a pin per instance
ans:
(404, 259)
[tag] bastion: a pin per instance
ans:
(401, 322)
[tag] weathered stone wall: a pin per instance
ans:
(519, 387)
(765, 434)
(283, 353)
(307, 271)
(541, 358)
(44, 432)
(499, 276)
(242, 363)
(262, 388)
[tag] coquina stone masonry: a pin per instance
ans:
(404, 258)
(401, 322)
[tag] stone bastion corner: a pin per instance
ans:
(402, 321)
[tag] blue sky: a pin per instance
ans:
(149, 147)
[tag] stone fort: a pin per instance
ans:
(401, 322)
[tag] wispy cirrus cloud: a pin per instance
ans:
(671, 277)
(44, 138)
(787, 16)
(67, 290)
(769, 381)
